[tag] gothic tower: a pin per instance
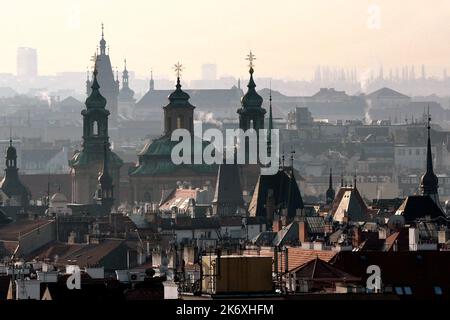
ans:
(86, 164)
(429, 182)
(251, 114)
(109, 86)
(126, 99)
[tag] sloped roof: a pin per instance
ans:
(178, 198)
(298, 256)
(418, 207)
(320, 270)
(285, 189)
(71, 102)
(200, 97)
(83, 254)
(348, 202)
(228, 187)
(14, 230)
(398, 239)
(387, 93)
(419, 270)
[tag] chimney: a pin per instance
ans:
(72, 238)
(413, 239)
(357, 237)
(302, 232)
(276, 224)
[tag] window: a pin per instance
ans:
(407, 290)
(437, 291)
(399, 290)
(95, 128)
(179, 122)
(417, 152)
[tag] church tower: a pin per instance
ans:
(179, 113)
(109, 86)
(429, 182)
(330, 194)
(105, 192)
(86, 164)
(126, 101)
(19, 195)
(251, 114)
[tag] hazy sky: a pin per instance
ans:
(288, 37)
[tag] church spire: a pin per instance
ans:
(429, 183)
(125, 83)
(330, 194)
(103, 42)
(269, 131)
(251, 99)
(95, 99)
(152, 82)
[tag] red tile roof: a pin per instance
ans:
(297, 256)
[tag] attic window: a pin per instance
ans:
(437, 291)
(407, 290)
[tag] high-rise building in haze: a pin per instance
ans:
(26, 62)
(209, 71)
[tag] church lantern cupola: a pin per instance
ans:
(179, 113)
(251, 113)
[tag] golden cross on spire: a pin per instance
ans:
(178, 69)
(251, 57)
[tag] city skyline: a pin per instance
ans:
(302, 35)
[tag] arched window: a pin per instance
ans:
(179, 122)
(95, 128)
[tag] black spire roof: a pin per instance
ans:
(95, 99)
(251, 99)
(330, 194)
(429, 182)
(179, 98)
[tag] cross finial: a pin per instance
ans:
(94, 59)
(251, 57)
(102, 30)
(428, 119)
(125, 63)
(178, 69)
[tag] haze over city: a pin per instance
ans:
(290, 37)
(252, 155)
